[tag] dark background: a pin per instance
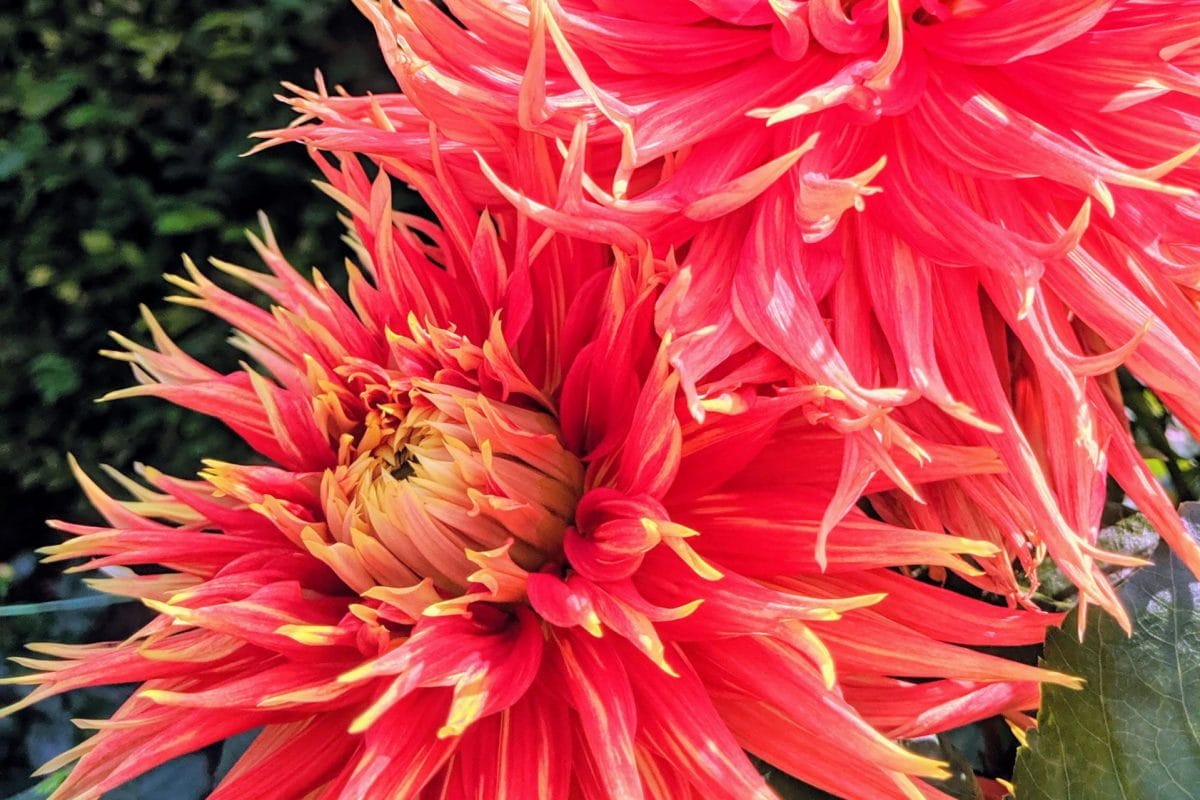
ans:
(121, 125)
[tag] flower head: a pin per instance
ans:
(958, 218)
(491, 554)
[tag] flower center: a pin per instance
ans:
(438, 474)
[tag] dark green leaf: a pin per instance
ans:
(187, 219)
(1134, 732)
(1131, 536)
(961, 784)
(11, 160)
(44, 788)
(21, 147)
(39, 97)
(54, 376)
(97, 242)
(83, 115)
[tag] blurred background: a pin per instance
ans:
(121, 125)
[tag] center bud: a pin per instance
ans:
(467, 473)
(443, 472)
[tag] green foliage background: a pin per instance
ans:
(121, 125)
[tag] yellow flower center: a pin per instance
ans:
(438, 480)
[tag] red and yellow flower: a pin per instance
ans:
(492, 552)
(957, 217)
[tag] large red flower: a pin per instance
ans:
(492, 555)
(956, 217)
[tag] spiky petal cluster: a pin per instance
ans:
(959, 217)
(493, 555)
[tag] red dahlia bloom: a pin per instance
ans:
(490, 557)
(955, 217)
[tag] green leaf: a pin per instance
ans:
(187, 219)
(21, 147)
(97, 242)
(83, 115)
(44, 788)
(1134, 732)
(54, 376)
(1130, 536)
(39, 97)
(961, 784)
(11, 160)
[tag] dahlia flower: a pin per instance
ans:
(955, 218)
(491, 554)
